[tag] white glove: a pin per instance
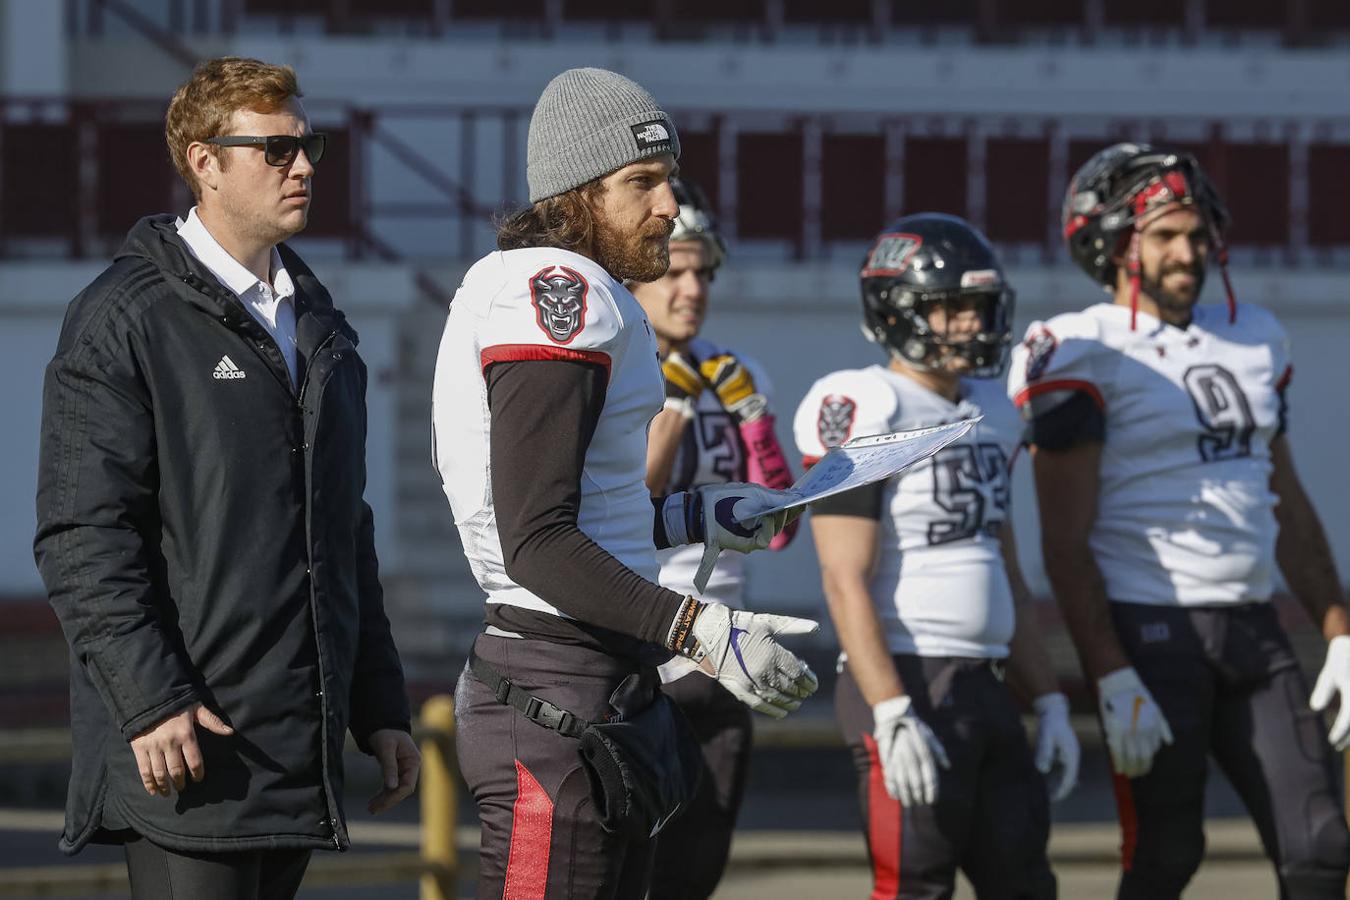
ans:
(1135, 727)
(733, 520)
(740, 650)
(909, 752)
(1056, 742)
(1335, 679)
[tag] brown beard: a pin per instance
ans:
(633, 256)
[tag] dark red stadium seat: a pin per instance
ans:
(330, 212)
(747, 12)
(1328, 14)
(1039, 13)
(1144, 13)
(769, 185)
(853, 173)
(1016, 182)
(935, 175)
(948, 12)
(610, 10)
(836, 12)
(1256, 189)
(135, 175)
(1329, 198)
(699, 162)
(39, 175)
(1251, 14)
(516, 10)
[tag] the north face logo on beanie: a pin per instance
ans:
(650, 134)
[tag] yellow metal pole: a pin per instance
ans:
(438, 799)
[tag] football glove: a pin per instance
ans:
(1335, 679)
(683, 382)
(733, 519)
(1134, 724)
(909, 752)
(735, 387)
(741, 651)
(1056, 743)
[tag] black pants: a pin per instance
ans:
(691, 851)
(992, 815)
(1230, 686)
(542, 836)
(160, 874)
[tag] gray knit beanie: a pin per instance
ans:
(588, 123)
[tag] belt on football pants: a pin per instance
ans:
(536, 709)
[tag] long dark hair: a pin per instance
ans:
(565, 221)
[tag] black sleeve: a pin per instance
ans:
(863, 502)
(1077, 420)
(97, 528)
(544, 415)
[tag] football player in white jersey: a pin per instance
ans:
(1167, 498)
(717, 427)
(924, 588)
(546, 380)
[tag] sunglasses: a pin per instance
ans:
(278, 149)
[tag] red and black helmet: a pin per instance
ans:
(1117, 188)
(929, 259)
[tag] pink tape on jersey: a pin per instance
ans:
(766, 464)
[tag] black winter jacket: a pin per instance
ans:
(203, 537)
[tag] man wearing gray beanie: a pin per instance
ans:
(546, 380)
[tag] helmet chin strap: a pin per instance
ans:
(1221, 257)
(1132, 267)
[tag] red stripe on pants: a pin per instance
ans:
(1129, 820)
(883, 828)
(531, 834)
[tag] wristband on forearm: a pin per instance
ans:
(765, 462)
(681, 638)
(680, 520)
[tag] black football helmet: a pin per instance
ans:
(697, 222)
(924, 261)
(1120, 186)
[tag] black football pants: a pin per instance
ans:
(992, 815)
(160, 874)
(691, 851)
(1230, 687)
(542, 836)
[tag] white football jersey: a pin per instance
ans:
(940, 588)
(1185, 514)
(547, 304)
(711, 453)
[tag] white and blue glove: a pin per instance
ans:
(1335, 679)
(909, 752)
(1134, 724)
(724, 517)
(1056, 744)
(741, 651)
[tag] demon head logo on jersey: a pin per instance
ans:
(559, 297)
(1040, 346)
(835, 423)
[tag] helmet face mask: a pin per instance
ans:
(922, 279)
(696, 222)
(1118, 189)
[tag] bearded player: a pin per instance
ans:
(546, 380)
(1168, 497)
(924, 588)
